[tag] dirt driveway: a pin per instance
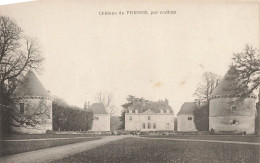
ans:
(51, 154)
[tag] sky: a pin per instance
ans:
(150, 56)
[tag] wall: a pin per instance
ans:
(223, 119)
(183, 124)
(102, 123)
(163, 122)
(30, 104)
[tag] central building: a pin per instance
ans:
(149, 116)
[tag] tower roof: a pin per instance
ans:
(227, 85)
(31, 86)
(98, 108)
(187, 108)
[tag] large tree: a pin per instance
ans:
(246, 69)
(106, 100)
(18, 54)
(209, 82)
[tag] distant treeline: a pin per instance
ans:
(70, 118)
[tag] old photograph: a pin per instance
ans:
(130, 81)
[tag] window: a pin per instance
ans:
(143, 125)
(233, 108)
(149, 125)
(189, 118)
(96, 118)
(149, 117)
(21, 107)
(130, 118)
(154, 125)
(234, 122)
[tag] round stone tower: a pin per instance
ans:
(228, 114)
(33, 106)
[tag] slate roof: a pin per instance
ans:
(187, 108)
(98, 108)
(227, 86)
(31, 86)
(153, 106)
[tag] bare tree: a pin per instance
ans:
(18, 54)
(106, 100)
(246, 69)
(208, 84)
(35, 115)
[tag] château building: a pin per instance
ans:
(149, 116)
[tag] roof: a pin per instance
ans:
(153, 106)
(98, 108)
(228, 85)
(187, 108)
(31, 86)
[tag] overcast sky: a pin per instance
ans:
(150, 56)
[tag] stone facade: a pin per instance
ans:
(149, 121)
(185, 118)
(101, 121)
(229, 114)
(31, 98)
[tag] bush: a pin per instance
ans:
(71, 118)
(201, 118)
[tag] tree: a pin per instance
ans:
(36, 114)
(246, 69)
(208, 84)
(201, 117)
(18, 54)
(106, 100)
(130, 100)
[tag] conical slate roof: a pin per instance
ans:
(98, 108)
(31, 86)
(226, 86)
(187, 108)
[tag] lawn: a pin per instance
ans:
(148, 150)
(13, 147)
(246, 138)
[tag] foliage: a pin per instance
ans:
(246, 68)
(130, 100)
(201, 117)
(18, 54)
(70, 118)
(207, 85)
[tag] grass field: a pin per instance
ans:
(148, 150)
(43, 136)
(13, 147)
(246, 138)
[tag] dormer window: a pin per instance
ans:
(149, 117)
(189, 118)
(233, 108)
(21, 108)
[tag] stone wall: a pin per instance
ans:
(184, 125)
(101, 122)
(227, 115)
(31, 104)
(162, 121)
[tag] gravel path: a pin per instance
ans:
(51, 154)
